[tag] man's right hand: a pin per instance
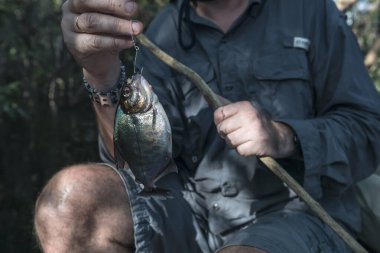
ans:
(95, 31)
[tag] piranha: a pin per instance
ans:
(142, 133)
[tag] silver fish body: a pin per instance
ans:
(142, 133)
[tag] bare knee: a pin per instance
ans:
(82, 208)
(241, 249)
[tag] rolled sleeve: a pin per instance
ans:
(310, 144)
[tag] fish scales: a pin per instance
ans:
(142, 134)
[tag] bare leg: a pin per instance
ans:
(241, 249)
(84, 208)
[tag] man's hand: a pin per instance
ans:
(95, 31)
(251, 132)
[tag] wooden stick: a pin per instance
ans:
(215, 102)
(314, 205)
(211, 98)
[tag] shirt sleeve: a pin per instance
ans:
(104, 155)
(341, 145)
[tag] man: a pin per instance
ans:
(299, 93)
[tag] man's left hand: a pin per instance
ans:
(252, 133)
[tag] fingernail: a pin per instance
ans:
(130, 6)
(136, 26)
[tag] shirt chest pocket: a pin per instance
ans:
(282, 84)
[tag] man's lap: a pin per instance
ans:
(166, 223)
(289, 232)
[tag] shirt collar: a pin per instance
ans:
(254, 11)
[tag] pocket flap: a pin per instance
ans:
(282, 66)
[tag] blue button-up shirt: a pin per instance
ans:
(301, 64)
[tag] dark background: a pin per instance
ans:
(46, 121)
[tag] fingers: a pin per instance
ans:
(224, 120)
(120, 8)
(244, 128)
(225, 112)
(247, 142)
(231, 110)
(89, 43)
(96, 31)
(248, 149)
(250, 131)
(228, 126)
(90, 32)
(97, 23)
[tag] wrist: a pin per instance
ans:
(105, 79)
(288, 144)
(107, 95)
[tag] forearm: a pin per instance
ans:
(105, 119)
(105, 114)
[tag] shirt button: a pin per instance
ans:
(194, 159)
(216, 206)
(229, 189)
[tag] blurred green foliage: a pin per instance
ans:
(45, 116)
(46, 120)
(367, 30)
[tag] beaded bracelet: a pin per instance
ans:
(110, 96)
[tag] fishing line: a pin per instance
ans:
(137, 49)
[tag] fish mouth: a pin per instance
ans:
(137, 96)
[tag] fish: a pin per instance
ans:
(142, 133)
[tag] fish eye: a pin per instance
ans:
(127, 91)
